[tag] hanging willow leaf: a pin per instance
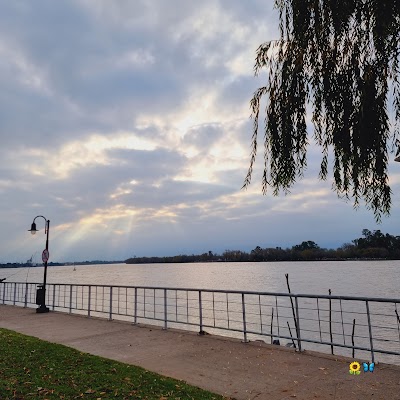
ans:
(339, 59)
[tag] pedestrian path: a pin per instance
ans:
(226, 366)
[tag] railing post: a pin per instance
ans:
(165, 309)
(201, 332)
(54, 297)
(330, 321)
(135, 308)
(370, 332)
(144, 302)
(118, 301)
(89, 299)
(110, 316)
(298, 323)
(4, 292)
(26, 295)
(70, 299)
(15, 292)
(244, 320)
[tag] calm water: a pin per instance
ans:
(353, 278)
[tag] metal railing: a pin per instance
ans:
(368, 328)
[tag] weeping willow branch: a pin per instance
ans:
(341, 59)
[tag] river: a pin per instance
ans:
(351, 278)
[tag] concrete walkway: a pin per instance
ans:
(226, 366)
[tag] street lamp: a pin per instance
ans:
(41, 291)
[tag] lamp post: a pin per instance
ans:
(41, 291)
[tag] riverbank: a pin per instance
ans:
(220, 365)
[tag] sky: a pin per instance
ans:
(126, 124)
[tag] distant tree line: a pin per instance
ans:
(372, 245)
(56, 264)
(26, 265)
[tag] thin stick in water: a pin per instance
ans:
(352, 335)
(330, 321)
(398, 321)
(272, 320)
(290, 331)
(291, 302)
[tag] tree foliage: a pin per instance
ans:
(377, 239)
(339, 61)
(306, 245)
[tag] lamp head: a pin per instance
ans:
(33, 229)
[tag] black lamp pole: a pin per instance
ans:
(41, 292)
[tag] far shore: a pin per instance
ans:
(56, 264)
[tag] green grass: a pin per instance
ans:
(34, 369)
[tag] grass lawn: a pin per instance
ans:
(34, 369)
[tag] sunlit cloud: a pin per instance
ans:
(81, 153)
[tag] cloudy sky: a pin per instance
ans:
(126, 123)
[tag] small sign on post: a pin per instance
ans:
(45, 255)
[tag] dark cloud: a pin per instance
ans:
(203, 136)
(79, 61)
(259, 12)
(238, 93)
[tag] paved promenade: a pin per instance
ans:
(226, 366)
